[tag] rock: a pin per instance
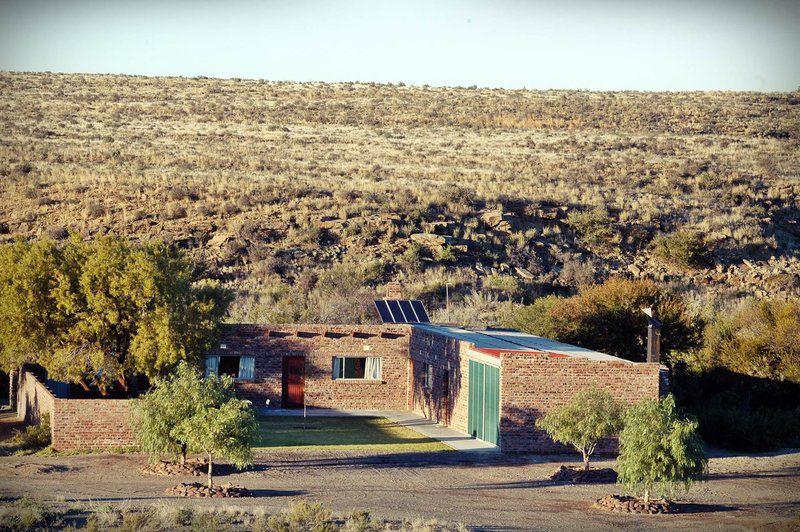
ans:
(525, 274)
(621, 503)
(497, 220)
(195, 489)
(431, 240)
(635, 270)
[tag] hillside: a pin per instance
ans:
(506, 192)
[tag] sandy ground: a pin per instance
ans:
(494, 492)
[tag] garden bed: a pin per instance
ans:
(195, 489)
(578, 475)
(634, 505)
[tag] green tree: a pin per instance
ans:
(157, 414)
(659, 448)
(221, 425)
(608, 317)
(98, 312)
(29, 309)
(760, 339)
(590, 415)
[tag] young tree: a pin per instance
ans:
(590, 415)
(156, 414)
(659, 448)
(222, 425)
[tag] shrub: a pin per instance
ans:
(608, 317)
(34, 437)
(447, 254)
(595, 227)
(23, 514)
(411, 259)
(504, 284)
(303, 516)
(590, 415)
(760, 339)
(537, 318)
(685, 249)
(659, 449)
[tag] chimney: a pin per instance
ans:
(394, 290)
(653, 337)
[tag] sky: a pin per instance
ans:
(568, 44)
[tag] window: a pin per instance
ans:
(367, 368)
(427, 375)
(240, 368)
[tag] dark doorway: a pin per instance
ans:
(292, 394)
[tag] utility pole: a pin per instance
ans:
(447, 300)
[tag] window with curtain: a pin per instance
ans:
(367, 368)
(238, 367)
(427, 375)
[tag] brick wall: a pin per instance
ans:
(532, 385)
(75, 423)
(318, 344)
(92, 424)
(34, 400)
(446, 356)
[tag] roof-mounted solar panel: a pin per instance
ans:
(401, 311)
(422, 316)
(383, 310)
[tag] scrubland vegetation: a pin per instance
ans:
(514, 193)
(28, 514)
(558, 212)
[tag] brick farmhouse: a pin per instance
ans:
(490, 384)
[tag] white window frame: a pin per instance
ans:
(246, 366)
(338, 369)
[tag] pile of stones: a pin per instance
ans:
(195, 489)
(634, 505)
(195, 467)
(579, 476)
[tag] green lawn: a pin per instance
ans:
(364, 433)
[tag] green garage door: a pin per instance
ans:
(483, 420)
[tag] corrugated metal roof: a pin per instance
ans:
(496, 341)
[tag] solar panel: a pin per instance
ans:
(383, 310)
(401, 311)
(397, 313)
(422, 316)
(405, 306)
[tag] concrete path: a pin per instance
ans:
(450, 437)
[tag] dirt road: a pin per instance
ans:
(498, 493)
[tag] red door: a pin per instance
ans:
(294, 369)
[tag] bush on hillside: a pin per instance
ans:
(760, 339)
(608, 317)
(684, 249)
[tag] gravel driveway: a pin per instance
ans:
(492, 492)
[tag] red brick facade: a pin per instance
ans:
(532, 385)
(448, 360)
(319, 344)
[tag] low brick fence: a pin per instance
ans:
(96, 424)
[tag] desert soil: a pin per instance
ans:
(489, 492)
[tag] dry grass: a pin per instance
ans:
(260, 179)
